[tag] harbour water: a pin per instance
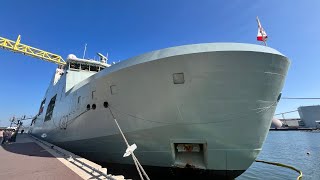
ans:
(291, 148)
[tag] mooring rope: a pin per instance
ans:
(135, 159)
(283, 165)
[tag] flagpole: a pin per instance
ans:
(264, 40)
(259, 26)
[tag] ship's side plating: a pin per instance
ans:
(217, 97)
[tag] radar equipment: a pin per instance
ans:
(103, 59)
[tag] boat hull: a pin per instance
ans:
(224, 104)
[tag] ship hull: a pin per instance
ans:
(223, 104)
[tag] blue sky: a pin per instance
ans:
(127, 28)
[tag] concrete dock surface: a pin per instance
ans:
(29, 158)
(32, 158)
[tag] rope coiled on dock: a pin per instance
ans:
(283, 165)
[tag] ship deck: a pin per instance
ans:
(30, 158)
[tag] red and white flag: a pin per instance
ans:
(262, 35)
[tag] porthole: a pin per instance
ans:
(94, 106)
(88, 107)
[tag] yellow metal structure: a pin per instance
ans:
(15, 46)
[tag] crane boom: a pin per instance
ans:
(15, 46)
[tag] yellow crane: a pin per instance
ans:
(16, 46)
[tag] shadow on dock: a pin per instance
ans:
(25, 159)
(29, 149)
(25, 146)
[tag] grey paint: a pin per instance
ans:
(227, 101)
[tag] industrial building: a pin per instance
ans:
(310, 115)
(292, 122)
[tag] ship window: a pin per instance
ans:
(79, 99)
(85, 67)
(74, 65)
(50, 108)
(178, 78)
(94, 68)
(41, 107)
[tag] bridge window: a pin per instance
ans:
(50, 108)
(94, 68)
(74, 65)
(85, 67)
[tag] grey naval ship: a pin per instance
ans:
(201, 107)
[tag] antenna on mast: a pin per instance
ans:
(84, 51)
